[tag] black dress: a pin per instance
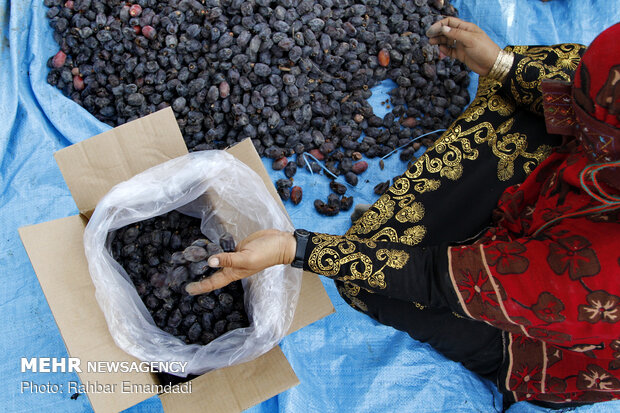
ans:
(392, 264)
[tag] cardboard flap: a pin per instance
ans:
(56, 251)
(246, 153)
(235, 388)
(92, 167)
(313, 303)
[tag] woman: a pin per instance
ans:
(500, 246)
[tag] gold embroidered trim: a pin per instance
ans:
(332, 252)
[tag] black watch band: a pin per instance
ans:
(301, 236)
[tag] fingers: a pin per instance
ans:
(218, 280)
(227, 260)
(445, 25)
(447, 51)
(451, 31)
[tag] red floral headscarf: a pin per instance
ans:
(589, 108)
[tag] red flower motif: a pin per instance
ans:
(526, 380)
(480, 287)
(506, 259)
(597, 378)
(572, 253)
(603, 307)
(548, 308)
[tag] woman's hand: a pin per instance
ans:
(465, 42)
(258, 251)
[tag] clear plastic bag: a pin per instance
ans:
(223, 192)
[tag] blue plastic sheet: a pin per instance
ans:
(345, 362)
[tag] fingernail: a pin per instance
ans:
(214, 262)
(445, 29)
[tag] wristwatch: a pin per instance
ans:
(301, 236)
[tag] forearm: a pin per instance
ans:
(389, 268)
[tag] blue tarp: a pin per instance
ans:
(345, 362)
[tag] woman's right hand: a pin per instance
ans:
(466, 42)
(258, 251)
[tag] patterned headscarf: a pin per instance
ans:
(589, 108)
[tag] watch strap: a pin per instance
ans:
(301, 236)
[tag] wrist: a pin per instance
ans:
(289, 245)
(501, 67)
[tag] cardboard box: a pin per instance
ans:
(56, 251)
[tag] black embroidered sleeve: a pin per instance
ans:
(532, 64)
(393, 269)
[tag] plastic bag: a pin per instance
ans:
(222, 191)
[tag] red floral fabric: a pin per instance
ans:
(556, 291)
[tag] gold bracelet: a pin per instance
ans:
(502, 66)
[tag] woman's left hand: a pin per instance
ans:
(258, 251)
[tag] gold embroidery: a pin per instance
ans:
(475, 110)
(332, 252)
(351, 293)
(507, 148)
(405, 200)
(505, 126)
(424, 185)
(418, 305)
(448, 165)
(351, 288)
(487, 88)
(518, 49)
(500, 105)
(568, 57)
(395, 258)
(412, 213)
(365, 274)
(414, 235)
(400, 187)
(377, 215)
(385, 234)
(541, 153)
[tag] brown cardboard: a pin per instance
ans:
(92, 167)
(56, 251)
(235, 388)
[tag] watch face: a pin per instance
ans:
(302, 232)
